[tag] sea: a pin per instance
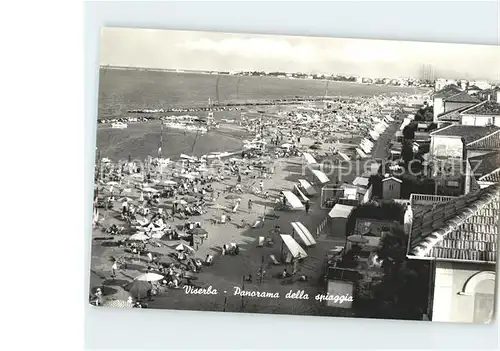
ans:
(121, 91)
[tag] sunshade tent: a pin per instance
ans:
(306, 232)
(295, 249)
(293, 200)
(308, 188)
(304, 236)
(320, 176)
(309, 158)
(300, 194)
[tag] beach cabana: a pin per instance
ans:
(309, 158)
(338, 217)
(296, 251)
(307, 187)
(293, 200)
(304, 233)
(320, 176)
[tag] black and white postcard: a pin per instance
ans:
(296, 175)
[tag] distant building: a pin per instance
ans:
(483, 114)
(450, 148)
(438, 99)
(459, 100)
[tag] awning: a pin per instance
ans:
(308, 188)
(293, 200)
(300, 194)
(344, 156)
(301, 234)
(321, 176)
(340, 211)
(299, 227)
(361, 153)
(295, 249)
(309, 159)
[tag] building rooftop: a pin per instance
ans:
(484, 164)
(447, 91)
(493, 177)
(469, 134)
(489, 108)
(463, 96)
(461, 229)
(489, 142)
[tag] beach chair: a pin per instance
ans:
(274, 260)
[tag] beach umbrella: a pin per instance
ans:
(117, 304)
(139, 237)
(199, 231)
(358, 239)
(169, 182)
(137, 176)
(150, 277)
(112, 183)
(182, 202)
(139, 288)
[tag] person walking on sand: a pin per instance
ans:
(239, 178)
(262, 186)
(249, 205)
(307, 206)
(114, 268)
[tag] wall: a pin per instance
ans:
(446, 147)
(450, 106)
(450, 304)
(438, 108)
(478, 120)
(391, 189)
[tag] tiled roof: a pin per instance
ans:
(490, 108)
(484, 164)
(468, 133)
(493, 177)
(464, 228)
(489, 142)
(447, 91)
(462, 97)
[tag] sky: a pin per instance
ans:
(190, 50)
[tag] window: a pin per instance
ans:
(391, 186)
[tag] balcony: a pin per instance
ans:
(424, 199)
